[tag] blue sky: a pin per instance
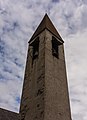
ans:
(18, 21)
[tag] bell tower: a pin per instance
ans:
(45, 90)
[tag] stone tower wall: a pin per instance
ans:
(45, 91)
(32, 104)
(56, 93)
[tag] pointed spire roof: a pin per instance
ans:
(46, 24)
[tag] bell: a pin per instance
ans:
(54, 51)
(36, 53)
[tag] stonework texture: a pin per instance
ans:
(45, 90)
(8, 115)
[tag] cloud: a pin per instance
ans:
(18, 21)
(76, 66)
(9, 92)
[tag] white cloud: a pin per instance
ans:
(77, 73)
(9, 91)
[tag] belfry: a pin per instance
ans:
(45, 91)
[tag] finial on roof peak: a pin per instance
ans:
(46, 14)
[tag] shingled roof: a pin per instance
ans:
(8, 115)
(46, 24)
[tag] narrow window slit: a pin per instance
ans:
(55, 51)
(36, 48)
(55, 47)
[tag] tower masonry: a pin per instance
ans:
(45, 91)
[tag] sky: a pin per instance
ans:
(18, 21)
